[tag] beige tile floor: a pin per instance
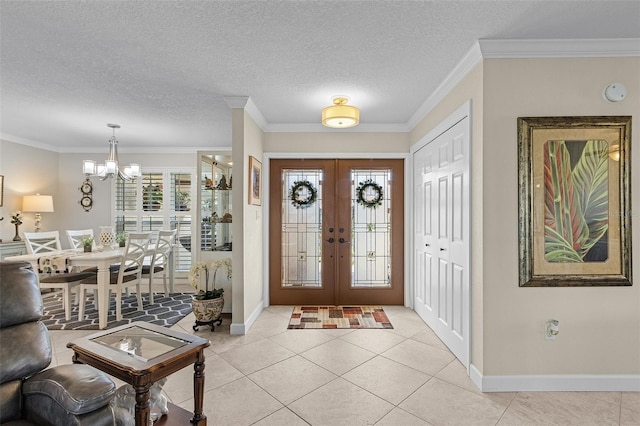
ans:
(404, 376)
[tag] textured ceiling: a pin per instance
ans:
(161, 69)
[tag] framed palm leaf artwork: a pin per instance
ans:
(574, 201)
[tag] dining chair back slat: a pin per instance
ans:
(76, 236)
(129, 273)
(49, 242)
(160, 260)
(39, 242)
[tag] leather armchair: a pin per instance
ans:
(65, 395)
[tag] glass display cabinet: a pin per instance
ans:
(216, 182)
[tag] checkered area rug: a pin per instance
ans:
(338, 317)
(165, 312)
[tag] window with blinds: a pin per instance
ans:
(157, 200)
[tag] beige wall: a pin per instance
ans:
(338, 142)
(599, 327)
(21, 177)
(470, 88)
(247, 223)
(253, 224)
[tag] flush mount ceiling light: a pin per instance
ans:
(340, 115)
(111, 168)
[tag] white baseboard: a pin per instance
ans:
(557, 383)
(242, 328)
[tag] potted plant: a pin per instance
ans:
(122, 239)
(151, 197)
(16, 219)
(183, 198)
(87, 243)
(208, 303)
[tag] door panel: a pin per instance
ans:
(371, 265)
(302, 260)
(336, 251)
(441, 182)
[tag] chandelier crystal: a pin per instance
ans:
(111, 168)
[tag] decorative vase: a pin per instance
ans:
(106, 236)
(17, 237)
(87, 249)
(207, 311)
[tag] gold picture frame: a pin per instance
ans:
(574, 176)
(255, 181)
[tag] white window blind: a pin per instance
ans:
(159, 199)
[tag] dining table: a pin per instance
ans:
(102, 259)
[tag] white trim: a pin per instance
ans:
(235, 102)
(242, 328)
(553, 48)
(408, 232)
(256, 114)
(475, 376)
(472, 58)
(319, 128)
(459, 114)
(464, 111)
(557, 382)
(28, 142)
(331, 155)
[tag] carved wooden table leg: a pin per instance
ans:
(198, 418)
(142, 404)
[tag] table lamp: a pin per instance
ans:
(38, 204)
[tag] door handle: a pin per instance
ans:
(443, 249)
(330, 240)
(342, 241)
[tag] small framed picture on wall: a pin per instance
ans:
(255, 182)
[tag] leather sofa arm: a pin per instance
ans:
(66, 391)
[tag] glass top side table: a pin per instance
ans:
(142, 353)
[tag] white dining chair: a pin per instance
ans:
(160, 261)
(45, 243)
(39, 242)
(76, 236)
(128, 275)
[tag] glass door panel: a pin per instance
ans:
(302, 228)
(336, 232)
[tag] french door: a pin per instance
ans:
(336, 232)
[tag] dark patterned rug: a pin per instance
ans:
(166, 311)
(339, 317)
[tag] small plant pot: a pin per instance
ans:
(87, 249)
(122, 243)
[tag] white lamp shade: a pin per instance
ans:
(89, 167)
(111, 167)
(340, 115)
(37, 203)
(135, 170)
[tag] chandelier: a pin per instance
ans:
(111, 167)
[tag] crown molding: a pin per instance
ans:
(256, 114)
(319, 128)
(236, 101)
(554, 48)
(472, 58)
(28, 142)
(505, 49)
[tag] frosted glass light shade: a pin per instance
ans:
(89, 167)
(340, 115)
